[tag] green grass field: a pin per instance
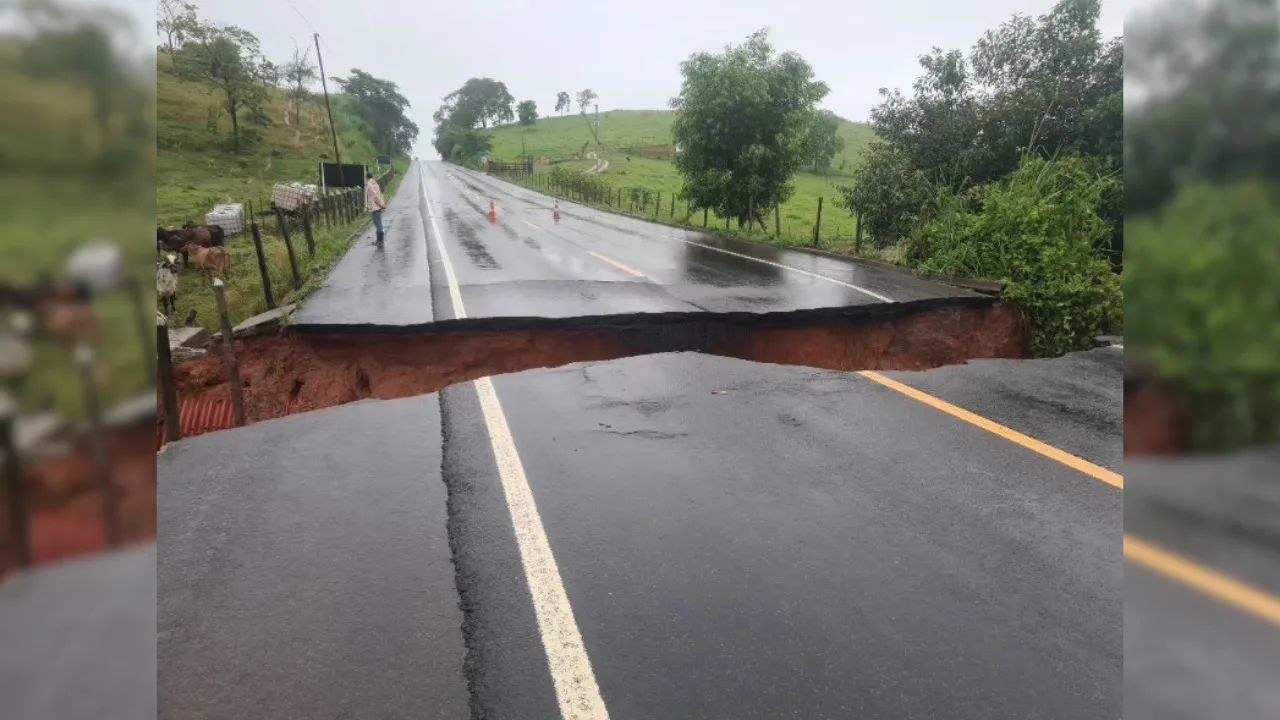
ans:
(195, 171)
(53, 200)
(637, 145)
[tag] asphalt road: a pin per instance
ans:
(677, 536)
(304, 570)
(526, 264)
(1193, 648)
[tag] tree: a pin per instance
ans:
(822, 141)
(528, 112)
(176, 20)
(1206, 105)
(229, 60)
(585, 98)
(482, 101)
(383, 108)
(888, 192)
(84, 54)
(740, 122)
(1050, 85)
(563, 104)
(299, 73)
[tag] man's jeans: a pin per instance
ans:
(377, 221)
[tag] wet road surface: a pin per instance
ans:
(757, 541)
(304, 570)
(588, 263)
(79, 639)
(1196, 644)
(372, 284)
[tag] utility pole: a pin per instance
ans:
(337, 156)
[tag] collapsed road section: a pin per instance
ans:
(299, 371)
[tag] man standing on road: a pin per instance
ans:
(374, 203)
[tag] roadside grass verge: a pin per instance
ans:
(245, 297)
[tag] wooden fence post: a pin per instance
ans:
(657, 204)
(262, 265)
(15, 483)
(704, 217)
(817, 226)
(857, 235)
(306, 230)
(777, 223)
(288, 244)
(229, 350)
(168, 389)
(98, 446)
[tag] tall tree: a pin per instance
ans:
(822, 141)
(482, 101)
(563, 104)
(383, 108)
(176, 20)
(299, 73)
(84, 54)
(528, 112)
(741, 118)
(229, 60)
(585, 98)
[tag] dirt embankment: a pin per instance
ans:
(299, 372)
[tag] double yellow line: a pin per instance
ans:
(1225, 589)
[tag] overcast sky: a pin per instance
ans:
(629, 53)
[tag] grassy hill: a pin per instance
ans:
(643, 132)
(60, 188)
(195, 170)
(637, 144)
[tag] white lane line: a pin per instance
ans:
(851, 286)
(526, 222)
(575, 682)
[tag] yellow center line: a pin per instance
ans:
(1113, 479)
(1166, 563)
(1210, 582)
(615, 263)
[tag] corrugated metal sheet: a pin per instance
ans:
(197, 416)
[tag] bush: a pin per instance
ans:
(1038, 231)
(1201, 273)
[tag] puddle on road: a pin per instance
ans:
(298, 372)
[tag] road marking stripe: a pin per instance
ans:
(1225, 589)
(575, 683)
(526, 222)
(1100, 473)
(615, 263)
(862, 290)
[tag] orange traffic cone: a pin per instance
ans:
(556, 214)
(493, 212)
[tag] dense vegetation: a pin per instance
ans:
(1006, 164)
(1203, 188)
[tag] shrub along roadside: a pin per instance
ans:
(1038, 231)
(1202, 276)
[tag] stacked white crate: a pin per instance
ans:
(291, 197)
(229, 217)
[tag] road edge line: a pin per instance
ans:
(577, 692)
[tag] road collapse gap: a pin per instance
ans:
(315, 367)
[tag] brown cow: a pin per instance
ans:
(211, 259)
